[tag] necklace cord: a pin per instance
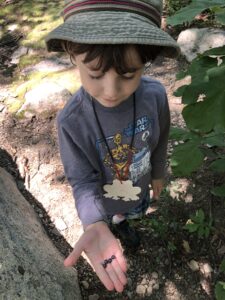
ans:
(129, 155)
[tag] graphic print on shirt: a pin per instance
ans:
(119, 144)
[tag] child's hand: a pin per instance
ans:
(99, 244)
(157, 186)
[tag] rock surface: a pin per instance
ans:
(193, 41)
(30, 266)
(42, 99)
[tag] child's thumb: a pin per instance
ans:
(74, 256)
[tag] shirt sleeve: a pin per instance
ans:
(83, 178)
(159, 154)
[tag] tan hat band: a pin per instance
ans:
(138, 7)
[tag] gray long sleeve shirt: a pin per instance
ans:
(87, 163)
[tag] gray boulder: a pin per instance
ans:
(45, 98)
(30, 266)
(193, 41)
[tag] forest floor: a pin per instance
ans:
(171, 264)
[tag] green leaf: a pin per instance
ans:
(179, 134)
(219, 191)
(207, 231)
(222, 266)
(219, 51)
(188, 13)
(201, 231)
(186, 158)
(180, 75)
(191, 227)
(179, 92)
(214, 139)
(191, 92)
(199, 216)
(220, 16)
(199, 67)
(220, 290)
(212, 107)
(218, 165)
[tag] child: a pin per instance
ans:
(113, 132)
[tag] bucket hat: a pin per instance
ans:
(112, 22)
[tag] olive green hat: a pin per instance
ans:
(112, 22)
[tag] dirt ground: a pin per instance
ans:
(171, 263)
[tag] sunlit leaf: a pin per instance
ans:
(206, 114)
(186, 158)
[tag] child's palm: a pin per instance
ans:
(99, 244)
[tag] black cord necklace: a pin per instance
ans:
(129, 154)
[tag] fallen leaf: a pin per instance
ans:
(186, 246)
(193, 265)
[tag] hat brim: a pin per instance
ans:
(110, 28)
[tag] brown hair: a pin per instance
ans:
(111, 55)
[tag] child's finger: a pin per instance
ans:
(122, 262)
(74, 255)
(118, 284)
(103, 276)
(120, 274)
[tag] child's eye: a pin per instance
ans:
(127, 78)
(95, 77)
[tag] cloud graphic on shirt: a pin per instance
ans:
(123, 189)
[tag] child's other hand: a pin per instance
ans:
(157, 186)
(99, 244)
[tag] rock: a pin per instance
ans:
(60, 224)
(21, 51)
(193, 265)
(85, 284)
(149, 290)
(53, 64)
(30, 266)
(93, 297)
(156, 286)
(141, 289)
(205, 268)
(155, 275)
(130, 295)
(45, 98)
(193, 41)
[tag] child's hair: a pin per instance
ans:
(111, 55)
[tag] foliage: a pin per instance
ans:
(188, 13)
(204, 115)
(220, 285)
(199, 224)
(171, 6)
(162, 227)
(222, 266)
(220, 290)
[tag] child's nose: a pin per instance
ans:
(112, 87)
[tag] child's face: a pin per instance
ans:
(110, 88)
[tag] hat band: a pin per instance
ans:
(137, 7)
